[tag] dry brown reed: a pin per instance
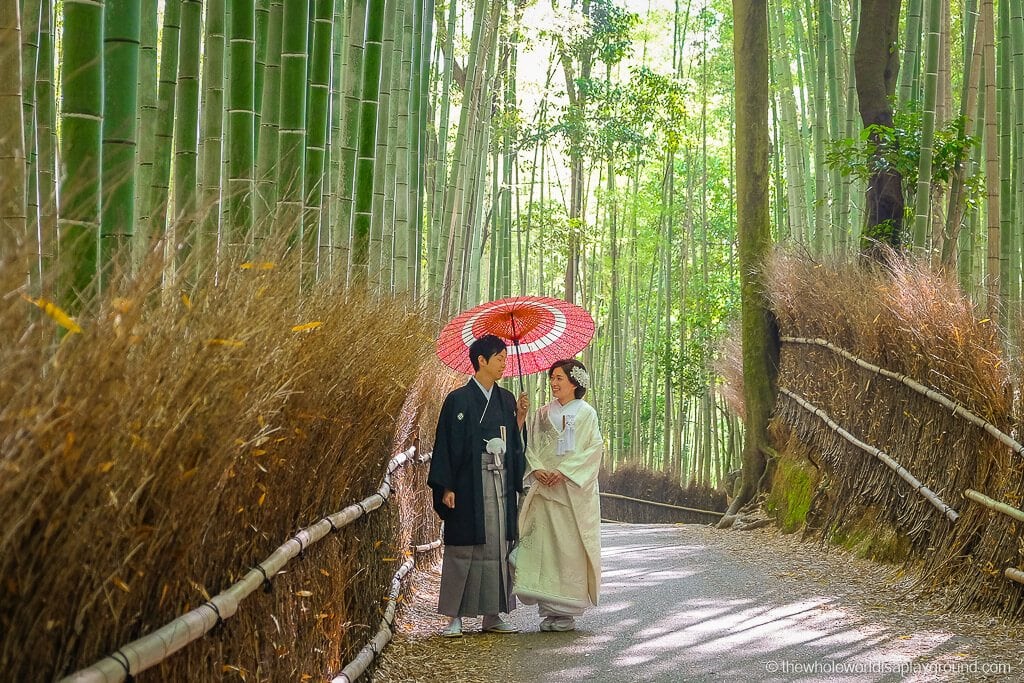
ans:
(660, 487)
(150, 460)
(908, 319)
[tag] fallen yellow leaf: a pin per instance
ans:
(185, 299)
(263, 265)
(305, 327)
(56, 313)
(263, 497)
(106, 466)
(304, 594)
(121, 584)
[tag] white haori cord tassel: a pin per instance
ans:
(567, 439)
(496, 447)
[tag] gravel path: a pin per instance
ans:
(690, 603)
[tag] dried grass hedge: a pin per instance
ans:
(153, 458)
(661, 487)
(907, 319)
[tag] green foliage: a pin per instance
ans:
(881, 148)
(882, 233)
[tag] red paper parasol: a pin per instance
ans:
(539, 330)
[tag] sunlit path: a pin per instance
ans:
(686, 603)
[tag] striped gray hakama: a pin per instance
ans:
(475, 578)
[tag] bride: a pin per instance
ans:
(558, 559)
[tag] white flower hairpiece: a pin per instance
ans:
(581, 376)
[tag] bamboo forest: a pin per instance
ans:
(232, 230)
(460, 152)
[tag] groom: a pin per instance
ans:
(476, 474)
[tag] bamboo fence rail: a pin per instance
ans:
(993, 504)
(939, 398)
(357, 667)
(904, 474)
(662, 505)
(143, 653)
(943, 400)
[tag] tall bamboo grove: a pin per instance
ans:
(233, 133)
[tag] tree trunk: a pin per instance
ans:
(877, 64)
(760, 334)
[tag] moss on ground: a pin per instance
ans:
(872, 538)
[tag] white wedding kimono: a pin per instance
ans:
(558, 559)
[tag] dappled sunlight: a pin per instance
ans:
(690, 612)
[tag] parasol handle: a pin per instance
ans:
(519, 358)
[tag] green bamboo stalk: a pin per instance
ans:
(186, 130)
(1009, 286)
(851, 217)
(366, 148)
(922, 204)
(955, 243)
(81, 120)
(316, 130)
(153, 224)
(992, 261)
(328, 214)
(122, 20)
(1017, 32)
(452, 243)
(403, 241)
(793, 145)
(821, 227)
(436, 236)
(390, 189)
(292, 136)
(262, 29)
(911, 54)
(46, 141)
(211, 152)
(146, 125)
(352, 88)
(806, 68)
(30, 20)
(13, 220)
(418, 144)
(241, 126)
(269, 133)
(837, 230)
(377, 251)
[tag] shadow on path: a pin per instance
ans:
(675, 607)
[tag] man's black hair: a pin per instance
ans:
(485, 346)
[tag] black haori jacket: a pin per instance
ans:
(455, 465)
